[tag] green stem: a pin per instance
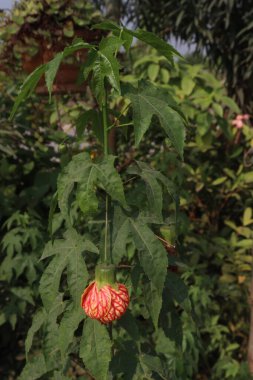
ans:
(106, 228)
(105, 128)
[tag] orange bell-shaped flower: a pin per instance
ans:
(104, 299)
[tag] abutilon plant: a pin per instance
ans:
(134, 208)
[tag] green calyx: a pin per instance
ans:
(105, 275)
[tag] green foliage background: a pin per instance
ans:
(205, 334)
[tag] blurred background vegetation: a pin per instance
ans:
(213, 88)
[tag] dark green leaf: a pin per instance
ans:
(77, 273)
(92, 117)
(95, 348)
(58, 375)
(88, 66)
(152, 255)
(50, 280)
(78, 170)
(153, 363)
(34, 369)
(105, 66)
(147, 101)
(124, 361)
(67, 252)
(153, 301)
(24, 294)
(51, 71)
(128, 323)
(90, 174)
(37, 322)
(68, 325)
(157, 43)
(54, 64)
(153, 188)
(119, 244)
(135, 276)
(176, 287)
(107, 25)
(52, 209)
(173, 328)
(149, 38)
(28, 87)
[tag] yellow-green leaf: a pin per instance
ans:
(247, 216)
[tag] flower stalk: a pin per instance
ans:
(105, 129)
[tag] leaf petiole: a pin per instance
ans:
(118, 126)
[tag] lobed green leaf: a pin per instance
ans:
(149, 38)
(68, 325)
(37, 322)
(67, 253)
(95, 348)
(152, 255)
(89, 174)
(148, 101)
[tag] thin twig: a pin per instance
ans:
(165, 242)
(130, 179)
(125, 266)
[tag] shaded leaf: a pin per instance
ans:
(34, 369)
(153, 301)
(119, 244)
(128, 322)
(90, 174)
(25, 294)
(152, 255)
(124, 361)
(50, 69)
(105, 66)
(50, 280)
(153, 363)
(52, 209)
(68, 325)
(37, 322)
(153, 188)
(53, 65)
(95, 348)
(28, 87)
(59, 376)
(68, 252)
(147, 101)
(176, 287)
(91, 116)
